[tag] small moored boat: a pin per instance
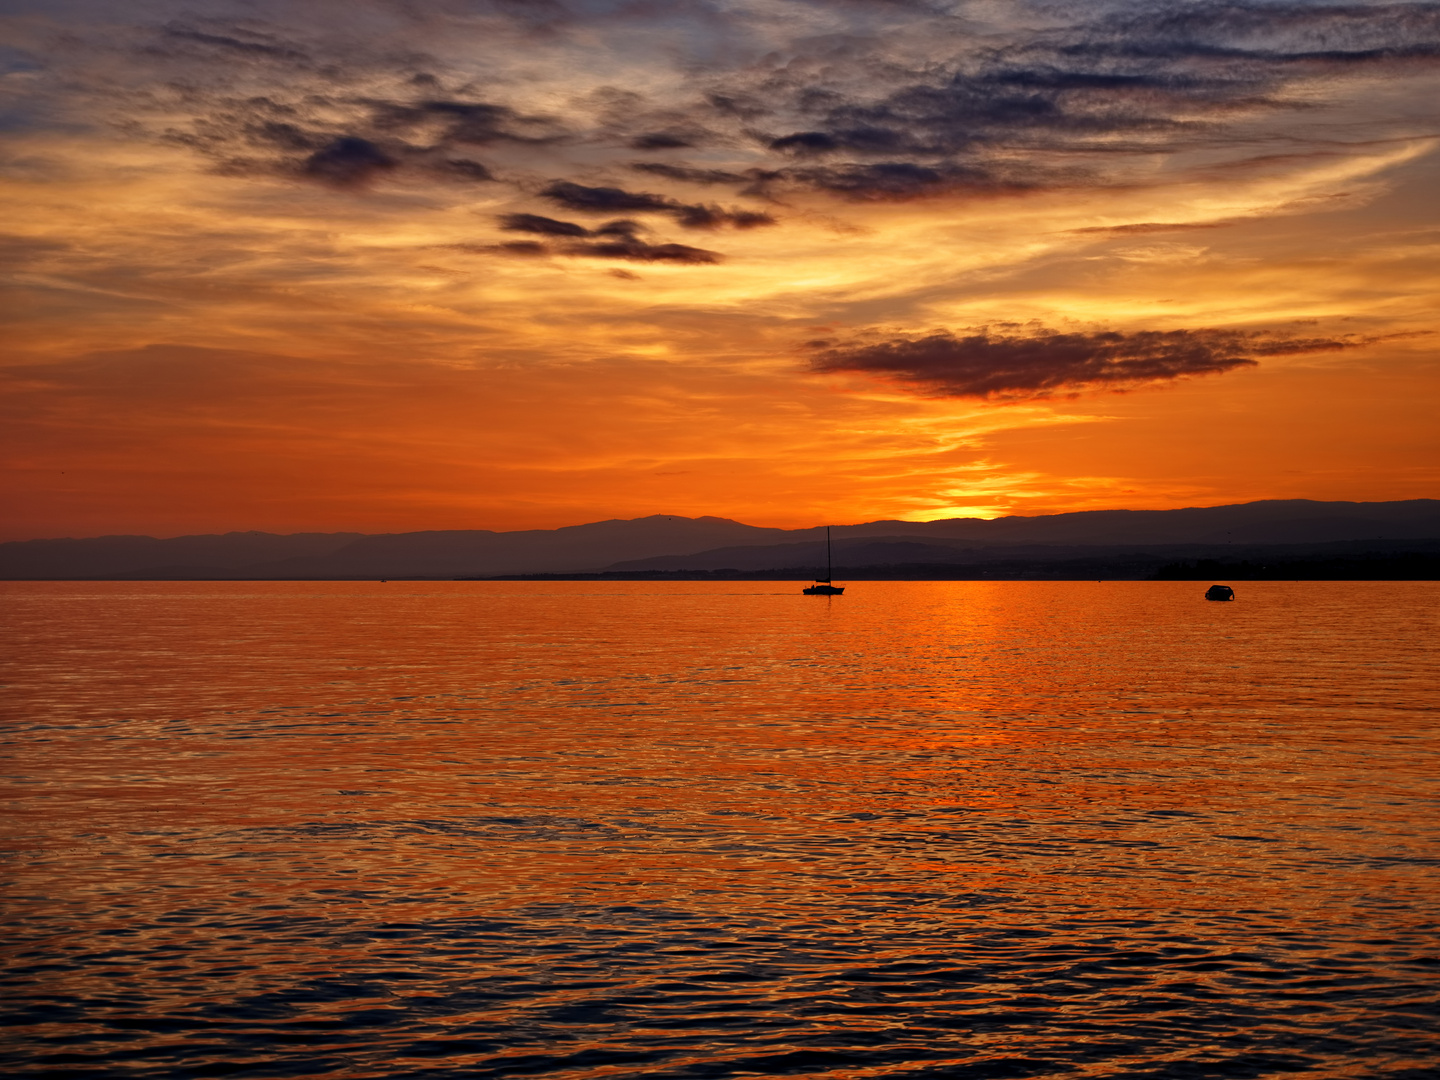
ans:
(822, 586)
(1219, 592)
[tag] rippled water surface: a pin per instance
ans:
(956, 829)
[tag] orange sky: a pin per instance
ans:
(380, 267)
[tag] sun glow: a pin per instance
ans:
(600, 286)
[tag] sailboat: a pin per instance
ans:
(822, 586)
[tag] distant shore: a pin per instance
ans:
(1402, 567)
(1378, 566)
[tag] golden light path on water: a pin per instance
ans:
(979, 829)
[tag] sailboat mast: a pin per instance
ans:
(826, 586)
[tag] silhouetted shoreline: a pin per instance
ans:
(1404, 567)
(1249, 565)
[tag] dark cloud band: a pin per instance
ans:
(1035, 362)
(541, 226)
(348, 162)
(1048, 96)
(618, 239)
(610, 200)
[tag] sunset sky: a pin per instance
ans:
(385, 265)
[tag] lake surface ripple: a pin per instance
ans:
(948, 829)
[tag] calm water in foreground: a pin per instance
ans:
(957, 829)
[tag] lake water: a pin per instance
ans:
(576, 830)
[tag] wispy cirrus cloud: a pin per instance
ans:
(777, 101)
(538, 193)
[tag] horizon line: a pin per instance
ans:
(704, 517)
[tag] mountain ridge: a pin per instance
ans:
(627, 543)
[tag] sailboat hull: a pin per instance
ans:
(822, 587)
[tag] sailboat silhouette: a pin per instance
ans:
(822, 586)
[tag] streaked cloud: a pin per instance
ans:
(1033, 362)
(620, 198)
(772, 99)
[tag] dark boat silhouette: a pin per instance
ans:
(1219, 592)
(822, 586)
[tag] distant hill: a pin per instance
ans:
(227, 554)
(1079, 542)
(357, 555)
(1273, 521)
(671, 544)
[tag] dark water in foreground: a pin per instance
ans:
(959, 829)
